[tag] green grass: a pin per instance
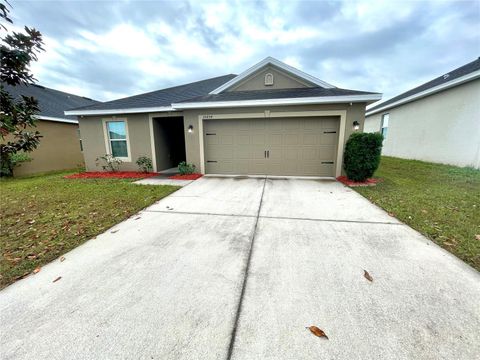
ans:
(43, 217)
(440, 201)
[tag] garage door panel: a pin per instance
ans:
(257, 124)
(226, 140)
(275, 125)
(292, 124)
(242, 152)
(296, 146)
(211, 139)
(258, 139)
(329, 137)
(225, 167)
(257, 167)
(310, 139)
(291, 153)
(329, 123)
(327, 153)
(291, 139)
(243, 139)
(274, 139)
(258, 152)
(219, 152)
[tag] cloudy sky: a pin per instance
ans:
(111, 49)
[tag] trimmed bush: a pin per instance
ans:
(186, 169)
(362, 155)
(145, 164)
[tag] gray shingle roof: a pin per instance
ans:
(164, 97)
(452, 75)
(52, 102)
(276, 94)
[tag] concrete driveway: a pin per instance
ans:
(236, 268)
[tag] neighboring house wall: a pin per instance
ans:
(280, 81)
(443, 128)
(59, 149)
(93, 132)
(355, 112)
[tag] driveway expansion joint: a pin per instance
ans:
(245, 277)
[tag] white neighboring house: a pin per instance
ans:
(438, 121)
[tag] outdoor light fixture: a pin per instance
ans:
(356, 125)
(190, 129)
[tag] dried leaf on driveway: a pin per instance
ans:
(367, 275)
(36, 270)
(62, 258)
(317, 332)
(113, 231)
(58, 278)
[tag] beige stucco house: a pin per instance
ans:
(271, 119)
(438, 121)
(60, 145)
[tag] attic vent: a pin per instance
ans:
(446, 76)
(268, 79)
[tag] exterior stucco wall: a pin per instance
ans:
(442, 128)
(92, 130)
(58, 149)
(280, 81)
(191, 117)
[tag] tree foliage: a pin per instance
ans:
(17, 116)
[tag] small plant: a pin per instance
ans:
(186, 169)
(362, 155)
(145, 164)
(110, 163)
(12, 161)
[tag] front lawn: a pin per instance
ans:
(440, 201)
(43, 217)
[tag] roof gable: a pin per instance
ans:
(270, 77)
(300, 76)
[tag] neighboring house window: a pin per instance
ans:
(117, 138)
(80, 139)
(384, 128)
(268, 79)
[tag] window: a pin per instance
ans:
(384, 127)
(268, 79)
(117, 138)
(80, 139)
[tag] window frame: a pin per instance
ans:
(108, 146)
(79, 135)
(382, 123)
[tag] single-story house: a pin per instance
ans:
(438, 121)
(271, 119)
(60, 146)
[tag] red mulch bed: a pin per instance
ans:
(369, 182)
(186, 177)
(111, 175)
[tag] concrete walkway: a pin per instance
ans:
(236, 269)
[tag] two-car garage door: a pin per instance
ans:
(275, 146)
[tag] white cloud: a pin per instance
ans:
(368, 45)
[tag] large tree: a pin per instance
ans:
(17, 116)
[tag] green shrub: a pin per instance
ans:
(11, 161)
(108, 162)
(362, 155)
(145, 164)
(186, 169)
